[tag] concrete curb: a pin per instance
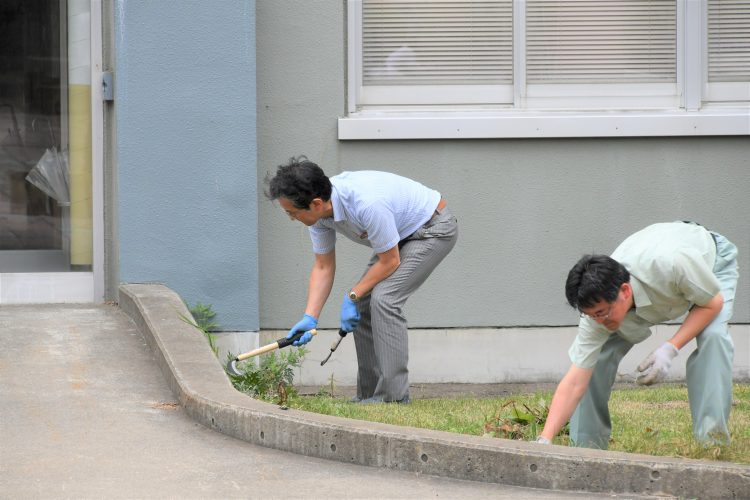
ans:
(198, 380)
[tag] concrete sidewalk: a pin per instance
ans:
(198, 380)
(86, 413)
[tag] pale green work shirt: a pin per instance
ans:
(671, 268)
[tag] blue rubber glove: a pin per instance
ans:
(349, 315)
(304, 325)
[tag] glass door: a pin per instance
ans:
(46, 188)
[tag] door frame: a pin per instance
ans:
(56, 287)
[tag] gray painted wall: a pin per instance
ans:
(528, 209)
(186, 151)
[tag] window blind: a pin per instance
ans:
(728, 41)
(437, 42)
(604, 41)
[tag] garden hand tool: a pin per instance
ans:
(335, 345)
(279, 344)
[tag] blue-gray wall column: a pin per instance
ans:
(186, 151)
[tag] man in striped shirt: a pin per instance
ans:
(410, 231)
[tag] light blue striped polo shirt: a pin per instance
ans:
(376, 209)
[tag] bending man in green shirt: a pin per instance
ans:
(658, 274)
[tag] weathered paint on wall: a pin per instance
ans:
(186, 146)
(527, 209)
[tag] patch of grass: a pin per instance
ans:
(652, 421)
(461, 415)
(657, 421)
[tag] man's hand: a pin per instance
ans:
(656, 365)
(349, 315)
(306, 324)
(542, 440)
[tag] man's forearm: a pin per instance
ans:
(567, 396)
(563, 405)
(697, 320)
(386, 264)
(319, 287)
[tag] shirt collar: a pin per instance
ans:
(338, 207)
(640, 297)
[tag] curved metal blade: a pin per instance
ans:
(232, 368)
(333, 348)
(327, 358)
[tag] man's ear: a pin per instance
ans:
(627, 290)
(316, 204)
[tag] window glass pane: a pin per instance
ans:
(601, 42)
(45, 136)
(728, 41)
(437, 42)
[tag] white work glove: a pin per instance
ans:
(542, 440)
(656, 365)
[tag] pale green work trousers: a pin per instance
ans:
(709, 372)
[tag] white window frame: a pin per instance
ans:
(692, 106)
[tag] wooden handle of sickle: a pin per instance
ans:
(282, 342)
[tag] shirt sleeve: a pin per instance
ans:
(323, 238)
(693, 277)
(588, 343)
(380, 225)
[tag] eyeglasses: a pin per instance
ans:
(294, 213)
(600, 316)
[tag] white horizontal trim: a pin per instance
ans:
(599, 103)
(727, 91)
(41, 288)
(435, 94)
(639, 90)
(520, 124)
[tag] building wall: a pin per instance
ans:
(185, 152)
(527, 209)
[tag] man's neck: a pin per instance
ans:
(328, 209)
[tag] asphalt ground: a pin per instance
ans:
(85, 412)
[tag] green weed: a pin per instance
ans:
(272, 379)
(519, 420)
(203, 319)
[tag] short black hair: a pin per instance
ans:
(595, 278)
(299, 181)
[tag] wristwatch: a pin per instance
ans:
(353, 296)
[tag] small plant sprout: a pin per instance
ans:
(203, 320)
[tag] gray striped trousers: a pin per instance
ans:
(381, 337)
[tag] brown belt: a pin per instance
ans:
(441, 206)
